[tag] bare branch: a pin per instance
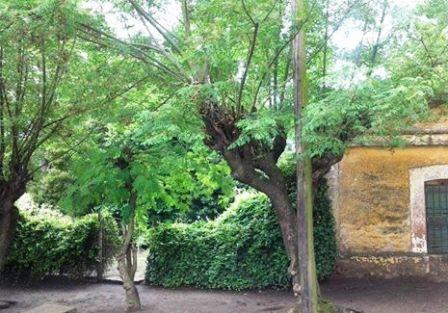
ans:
(247, 66)
(378, 38)
(160, 29)
(336, 28)
(246, 11)
(186, 17)
(135, 50)
(269, 12)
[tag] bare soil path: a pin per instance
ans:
(392, 296)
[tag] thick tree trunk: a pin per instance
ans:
(8, 221)
(255, 165)
(286, 217)
(9, 215)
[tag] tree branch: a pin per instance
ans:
(160, 29)
(247, 66)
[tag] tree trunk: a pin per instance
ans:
(9, 215)
(127, 258)
(247, 164)
(307, 266)
(127, 275)
(100, 265)
(286, 217)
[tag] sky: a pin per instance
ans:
(169, 17)
(350, 34)
(347, 37)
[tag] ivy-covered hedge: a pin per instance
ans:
(47, 244)
(242, 249)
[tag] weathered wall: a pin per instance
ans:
(431, 267)
(371, 199)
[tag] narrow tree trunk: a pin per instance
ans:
(100, 266)
(307, 266)
(132, 297)
(376, 46)
(8, 220)
(127, 260)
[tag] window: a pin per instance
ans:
(436, 195)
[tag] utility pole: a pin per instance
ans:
(308, 298)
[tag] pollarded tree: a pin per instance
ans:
(36, 45)
(232, 68)
(48, 80)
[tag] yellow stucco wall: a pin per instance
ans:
(372, 203)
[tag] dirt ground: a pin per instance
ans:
(392, 296)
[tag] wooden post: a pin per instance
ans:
(308, 299)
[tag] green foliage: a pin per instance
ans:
(241, 249)
(51, 187)
(154, 152)
(206, 194)
(324, 232)
(50, 244)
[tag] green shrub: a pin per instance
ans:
(53, 245)
(324, 232)
(241, 249)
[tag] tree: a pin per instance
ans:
(242, 93)
(36, 45)
(120, 167)
(49, 80)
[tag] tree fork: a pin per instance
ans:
(244, 162)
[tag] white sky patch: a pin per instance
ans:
(381, 72)
(350, 33)
(407, 3)
(125, 26)
(347, 37)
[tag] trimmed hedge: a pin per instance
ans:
(54, 245)
(242, 249)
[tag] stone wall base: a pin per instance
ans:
(431, 267)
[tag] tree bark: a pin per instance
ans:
(10, 191)
(286, 217)
(127, 260)
(307, 266)
(8, 220)
(100, 265)
(127, 275)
